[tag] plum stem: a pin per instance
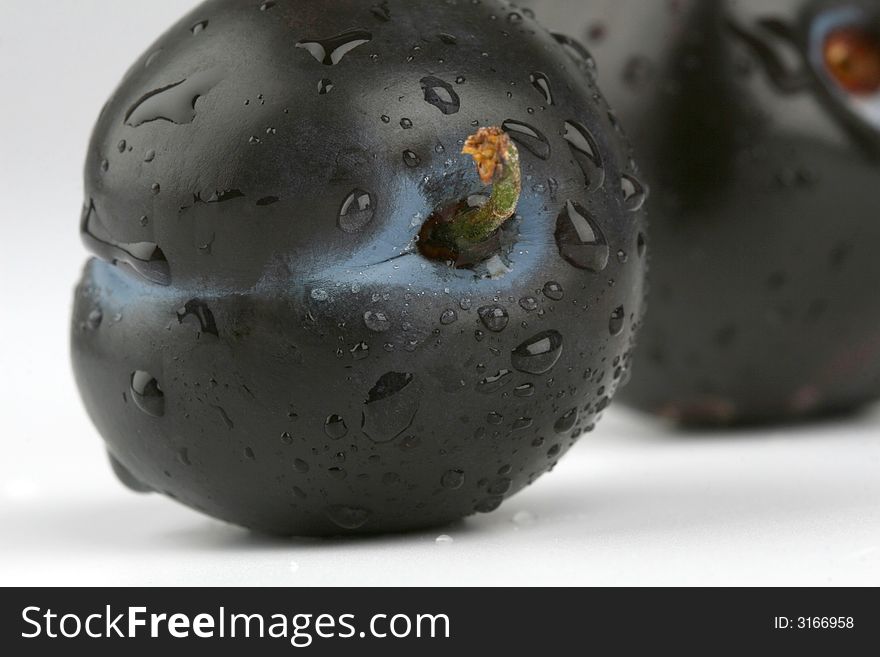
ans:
(497, 160)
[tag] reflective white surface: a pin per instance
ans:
(633, 503)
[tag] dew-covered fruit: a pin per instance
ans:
(261, 336)
(758, 126)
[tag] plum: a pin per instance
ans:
(289, 324)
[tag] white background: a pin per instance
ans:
(633, 503)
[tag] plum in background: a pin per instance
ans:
(757, 124)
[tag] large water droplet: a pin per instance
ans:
(448, 317)
(553, 290)
(494, 383)
(634, 193)
(542, 83)
(377, 320)
(390, 407)
(566, 422)
(586, 153)
(494, 318)
(357, 211)
(175, 102)
(330, 51)
(146, 393)
(580, 240)
(146, 258)
(440, 94)
(452, 479)
(538, 354)
(528, 137)
(335, 428)
(411, 159)
(615, 324)
(93, 321)
(348, 517)
(204, 316)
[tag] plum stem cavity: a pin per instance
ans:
(464, 232)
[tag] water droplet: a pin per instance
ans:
(121, 146)
(524, 390)
(641, 245)
(580, 240)
(146, 393)
(528, 137)
(529, 304)
(494, 383)
(443, 539)
(488, 505)
(175, 102)
(448, 39)
(615, 324)
(578, 54)
(335, 427)
(204, 316)
(494, 318)
(300, 466)
(146, 258)
(566, 422)
(360, 351)
(152, 58)
(93, 321)
(149, 156)
(452, 479)
(266, 6)
(521, 423)
(495, 418)
(249, 453)
(448, 316)
(500, 486)
(325, 86)
(183, 456)
(286, 438)
(542, 83)
(410, 159)
(634, 193)
(385, 118)
(538, 354)
(199, 27)
(406, 124)
(377, 320)
(586, 153)
(337, 472)
(348, 517)
(357, 211)
(440, 94)
(553, 290)
(390, 407)
(330, 51)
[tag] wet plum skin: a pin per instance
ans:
(270, 351)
